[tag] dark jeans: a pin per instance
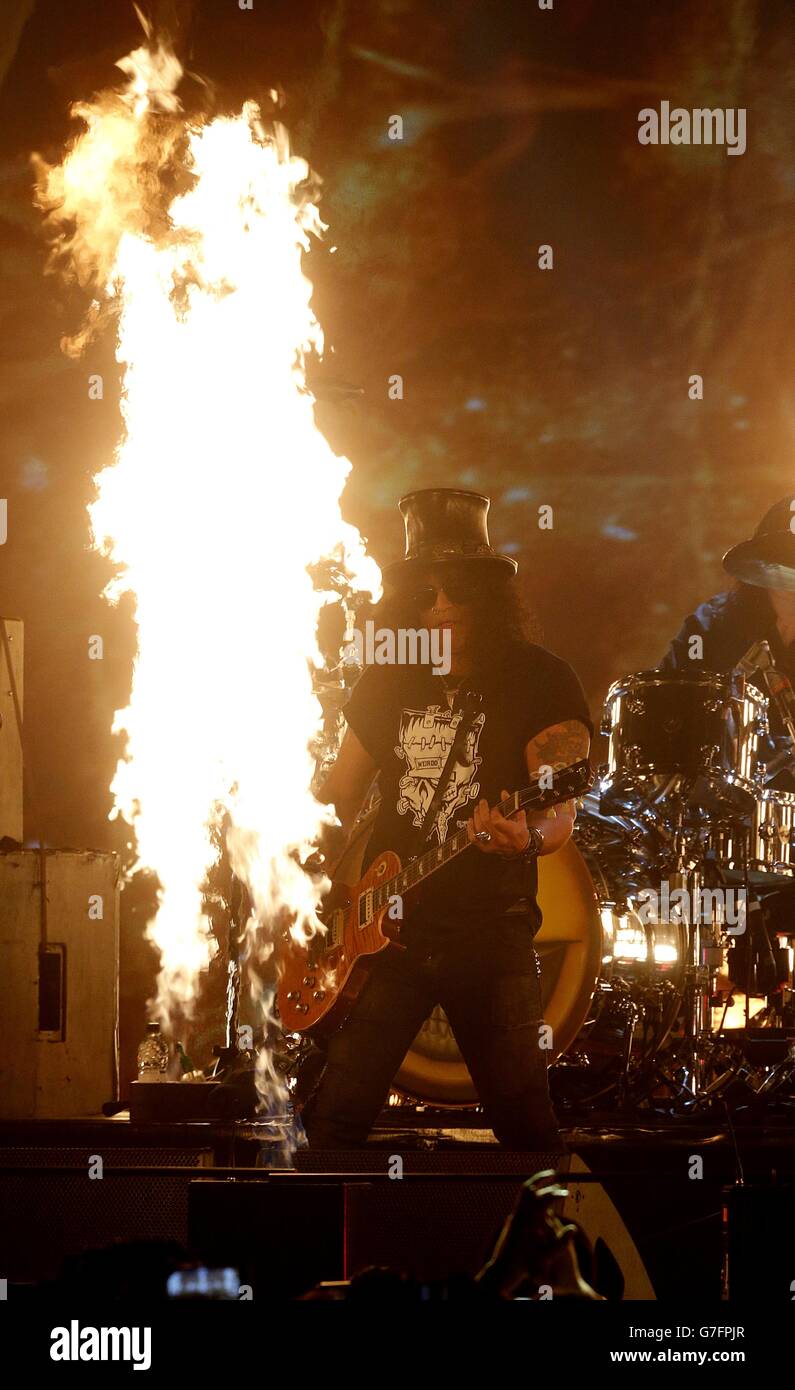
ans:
(484, 974)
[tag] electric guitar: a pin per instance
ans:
(320, 978)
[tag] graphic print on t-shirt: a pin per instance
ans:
(424, 743)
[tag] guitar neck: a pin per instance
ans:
(571, 782)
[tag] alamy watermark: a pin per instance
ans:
(702, 126)
(78, 1343)
(403, 646)
(724, 907)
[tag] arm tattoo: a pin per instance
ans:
(558, 746)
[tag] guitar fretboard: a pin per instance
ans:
(419, 869)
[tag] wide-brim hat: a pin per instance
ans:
(767, 560)
(445, 525)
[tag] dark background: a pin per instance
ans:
(567, 387)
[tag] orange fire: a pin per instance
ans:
(221, 493)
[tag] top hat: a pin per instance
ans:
(445, 524)
(767, 560)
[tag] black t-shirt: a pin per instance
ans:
(401, 717)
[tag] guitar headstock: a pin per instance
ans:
(564, 785)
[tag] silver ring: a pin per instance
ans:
(482, 835)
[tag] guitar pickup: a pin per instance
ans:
(336, 927)
(366, 908)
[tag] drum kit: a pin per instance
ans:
(666, 949)
(691, 842)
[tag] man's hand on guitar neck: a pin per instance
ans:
(558, 746)
(508, 836)
(493, 833)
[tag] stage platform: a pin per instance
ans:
(687, 1208)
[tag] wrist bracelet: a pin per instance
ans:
(534, 846)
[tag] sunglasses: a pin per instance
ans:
(458, 588)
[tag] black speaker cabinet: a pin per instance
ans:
(344, 1213)
(51, 1208)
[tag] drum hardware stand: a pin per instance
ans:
(760, 658)
(784, 1071)
(703, 959)
(784, 761)
(622, 1087)
(694, 980)
(704, 952)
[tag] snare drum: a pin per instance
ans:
(773, 825)
(702, 729)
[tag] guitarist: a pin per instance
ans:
(466, 938)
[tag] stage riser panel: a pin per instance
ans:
(59, 1021)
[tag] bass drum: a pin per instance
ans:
(569, 947)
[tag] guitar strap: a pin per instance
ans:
(312, 1066)
(470, 708)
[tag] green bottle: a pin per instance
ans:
(185, 1063)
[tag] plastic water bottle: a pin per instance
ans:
(153, 1055)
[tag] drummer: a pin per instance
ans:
(760, 605)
